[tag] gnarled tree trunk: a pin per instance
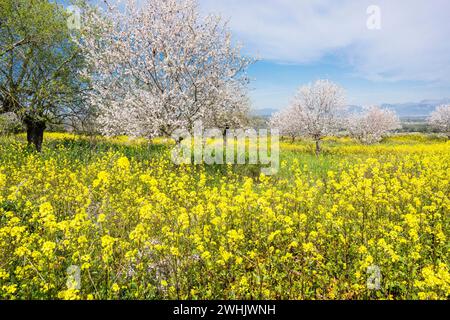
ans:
(35, 132)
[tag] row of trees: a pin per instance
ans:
(145, 69)
(148, 69)
(319, 110)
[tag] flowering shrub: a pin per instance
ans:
(143, 228)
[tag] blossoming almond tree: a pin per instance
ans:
(231, 109)
(440, 119)
(372, 125)
(317, 110)
(159, 66)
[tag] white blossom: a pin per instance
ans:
(315, 112)
(231, 109)
(159, 66)
(286, 122)
(440, 119)
(373, 124)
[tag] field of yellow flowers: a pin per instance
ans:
(95, 218)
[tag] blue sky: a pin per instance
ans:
(299, 41)
(274, 84)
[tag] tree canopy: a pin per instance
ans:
(39, 64)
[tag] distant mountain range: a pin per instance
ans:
(419, 109)
(409, 109)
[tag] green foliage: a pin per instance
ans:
(39, 62)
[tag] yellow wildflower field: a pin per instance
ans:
(116, 219)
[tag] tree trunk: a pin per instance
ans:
(35, 132)
(317, 147)
(224, 134)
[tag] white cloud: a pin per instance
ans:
(413, 43)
